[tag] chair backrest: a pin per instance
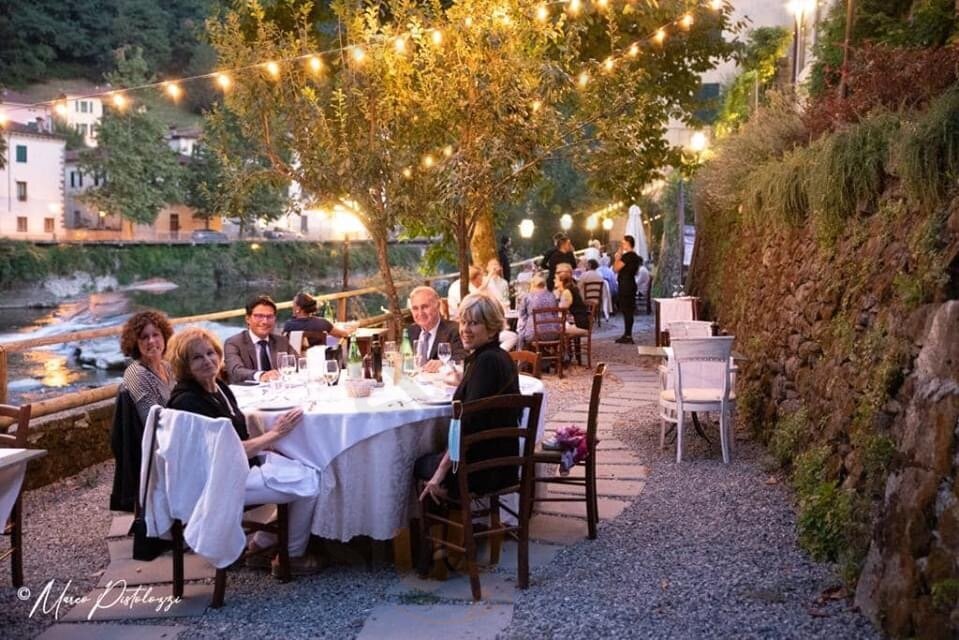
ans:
(528, 409)
(716, 350)
(593, 312)
(530, 358)
(549, 324)
(296, 340)
(593, 291)
(21, 419)
(312, 339)
(592, 417)
(674, 310)
(445, 308)
(690, 329)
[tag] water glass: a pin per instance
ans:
(444, 352)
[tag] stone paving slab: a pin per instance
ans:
(615, 472)
(609, 508)
(93, 631)
(540, 555)
(123, 567)
(616, 457)
(610, 444)
(142, 603)
(608, 488)
(437, 622)
(496, 587)
(556, 529)
(120, 525)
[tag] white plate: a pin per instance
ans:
(269, 406)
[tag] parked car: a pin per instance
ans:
(208, 236)
(281, 234)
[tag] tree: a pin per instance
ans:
(140, 173)
(227, 178)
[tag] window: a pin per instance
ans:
(48, 225)
(304, 224)
(96, 179)
(21, 224)
(21, 153)
(77, 218)
(79, 178)
(83, 106)
(73, 179)
(21, 191)
(82, 129)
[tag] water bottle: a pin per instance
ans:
(354, 361)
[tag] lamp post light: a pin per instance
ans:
(607, 227)
(345, 223)
(800, 9)
(565, 222)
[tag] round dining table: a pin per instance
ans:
(363, 448)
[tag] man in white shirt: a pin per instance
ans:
(494, 283)
(453, 296)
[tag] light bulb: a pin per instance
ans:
(608, 64)
(428, 161)
(316, 65)
(542, 13)
(575, 6)
(686, 21)
(224, 81)
(400, 45)
(358, 54)
(173, 90)
(437, 37)
(407, 173)
(273, 69)
(660, 36)
(633, 50)
(536, 105)
(583, 79)
(448, 150)
(119, 100)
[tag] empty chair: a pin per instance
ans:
(526, 361)
(549, 336)
(13, 526)
(674, 310)
(588, 482)
(701, 381)
(690, 329)
(593, 291)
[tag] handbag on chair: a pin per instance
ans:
(146, 548)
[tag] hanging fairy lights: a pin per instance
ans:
(541, 13)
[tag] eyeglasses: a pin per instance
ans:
(263, 316)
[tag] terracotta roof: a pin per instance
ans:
(32, 130)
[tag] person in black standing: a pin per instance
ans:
(562, 255)
(504, 256)
(626, 267)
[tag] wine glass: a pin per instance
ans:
(444, 352)
(331, 372)
(302, 370)
(287, 367)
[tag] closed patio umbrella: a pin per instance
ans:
(634, 227)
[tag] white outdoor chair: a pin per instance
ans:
(701, 382)
(690, 329)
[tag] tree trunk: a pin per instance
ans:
(383, 259)
(844, 69)
(483, 242)
(463, 253)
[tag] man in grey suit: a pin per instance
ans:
(254, 354)
(428, 325)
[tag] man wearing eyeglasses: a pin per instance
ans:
(254, 354)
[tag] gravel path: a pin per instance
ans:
(706, 551)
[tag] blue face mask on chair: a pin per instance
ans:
(453, 437)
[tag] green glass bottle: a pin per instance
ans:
(354, 361)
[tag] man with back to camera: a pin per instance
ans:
(626, 267)
(254, 354)
(429, 326)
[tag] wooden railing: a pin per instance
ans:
(88, 396)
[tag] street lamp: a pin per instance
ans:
(526, 228)
(591, 223)
(345, 223)
(607, 227)
(799, 9)
(566, 221)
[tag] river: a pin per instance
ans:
(49, 371)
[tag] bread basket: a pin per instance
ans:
(359, 388)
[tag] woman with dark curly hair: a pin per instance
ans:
(149, 378)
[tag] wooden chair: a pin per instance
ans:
(588, 482)
(643, 298)
(526, 360)
(593, 291)
(444, 308)
(522, 462)
(549, 336)
(574, 344)
(14, 525)
(280, 528)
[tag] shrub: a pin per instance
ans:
(824, 515)
(928, 151)
(789, 435)
(777, 191)
(809, 469)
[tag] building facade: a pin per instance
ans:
(31, 184)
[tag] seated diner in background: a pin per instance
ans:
(197, 358)
(487, 372)
(494, 284)
(254, 354)
(537, 298)
(568, 297)
(149, 378)
(304, 319)
(431, 329)
(453, 295)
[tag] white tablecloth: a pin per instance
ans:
(365, 449)
(11, 479)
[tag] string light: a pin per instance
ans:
(608, 64)
(273, 69)
(407, 173)
(428, 161)
(583, 79)
(400, 45)
(686, 21)
(602, 4)
(575, 6)
(536, 105)
(358, 54)
(542, 13)
(60, 109)
(660, 36)
(173, 90)
(223, 80)
(448, 151)
(716, 5)
(316, 65)
(468, 21)
(3, 120)
(437, 37)
(119, 101)
(633, 50)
